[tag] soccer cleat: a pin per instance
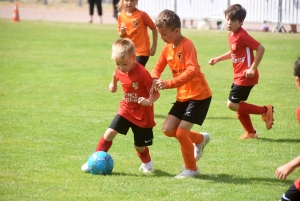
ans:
(147, 167)
(85, 167)
(186, 173)
(198, 148)
(249, 135)
(268, 116)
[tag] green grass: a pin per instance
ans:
(55, 105)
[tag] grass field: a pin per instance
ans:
(55, 105)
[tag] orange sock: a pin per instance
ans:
(103, 145)
(246, 122)
(196, 137)
(171, 134)
(145, 155)
(187, 148)
(247, 108)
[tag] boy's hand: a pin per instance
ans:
(153, 86)
(153, 50)
(213, 61)
(160, 84)
(112, 88)
(283, 171)
(143, 101)
(123, 29)
(249, 73)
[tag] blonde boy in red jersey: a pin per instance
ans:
(193, 93)
(133, 24)
(136, 108)
(245, 71)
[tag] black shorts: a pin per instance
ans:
(292, 194)
(239, 93)
(142, 136)
(193, 111)
(142, 60)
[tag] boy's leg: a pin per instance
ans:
(293, 193)
(265, 111)
(143, 137)
(105, 141)
(247, 124)
(187, 148)
(143, 154)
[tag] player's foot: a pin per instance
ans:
(147, 167)
(198, 148)
(249, 135)
(268, 116)
(85, 167)
(186, 173)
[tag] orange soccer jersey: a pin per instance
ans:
(136, 30)
(187, 76)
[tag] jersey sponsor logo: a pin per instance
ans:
(175, 71)
(237, 60)
(233, 46)
(180, 57)
(131, 97)
(135, 23)
(135, 85)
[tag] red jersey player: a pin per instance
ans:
(245, 71)
(136, 108)
(293, 192)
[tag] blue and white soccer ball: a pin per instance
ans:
(100, 162)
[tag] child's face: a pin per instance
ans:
(130, 5)
(233, 25)
(125, 64)
(168, 35)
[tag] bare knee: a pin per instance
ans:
(232, 106)
(139, 149)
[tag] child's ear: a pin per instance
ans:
(242, 22)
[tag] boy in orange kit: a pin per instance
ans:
(133, 24)
(193, 93)
(245, 71)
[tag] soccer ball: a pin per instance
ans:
(100, 162)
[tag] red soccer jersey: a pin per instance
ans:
(136, 30)
(187, 76)
(136, 83)
(241, 47)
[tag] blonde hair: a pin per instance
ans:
(120, 6)
(121, 48)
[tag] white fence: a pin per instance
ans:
(276, 11)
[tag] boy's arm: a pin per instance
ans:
(152, 98)
(113, 85)
(222, 57)
(250, 72)
(258, 56)
(283, 171)
(154, 42)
